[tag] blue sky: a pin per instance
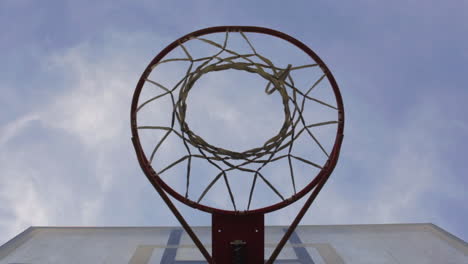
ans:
(69, 69)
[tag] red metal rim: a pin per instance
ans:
(156, 180)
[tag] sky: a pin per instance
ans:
(70, 68)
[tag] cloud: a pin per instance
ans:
(60, 160)
(11, 129)
(20, 199)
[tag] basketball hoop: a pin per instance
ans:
(237, 228)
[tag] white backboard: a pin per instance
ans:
(391, 243)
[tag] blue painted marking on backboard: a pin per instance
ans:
(173, 242)
(301, 253)
(171, 251)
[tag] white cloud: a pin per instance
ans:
(91, 108)
(94, 107)
(20, 195)
(12, 128)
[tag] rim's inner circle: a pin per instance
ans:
(197, 141)
(229, 109)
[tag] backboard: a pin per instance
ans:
(389, 243)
